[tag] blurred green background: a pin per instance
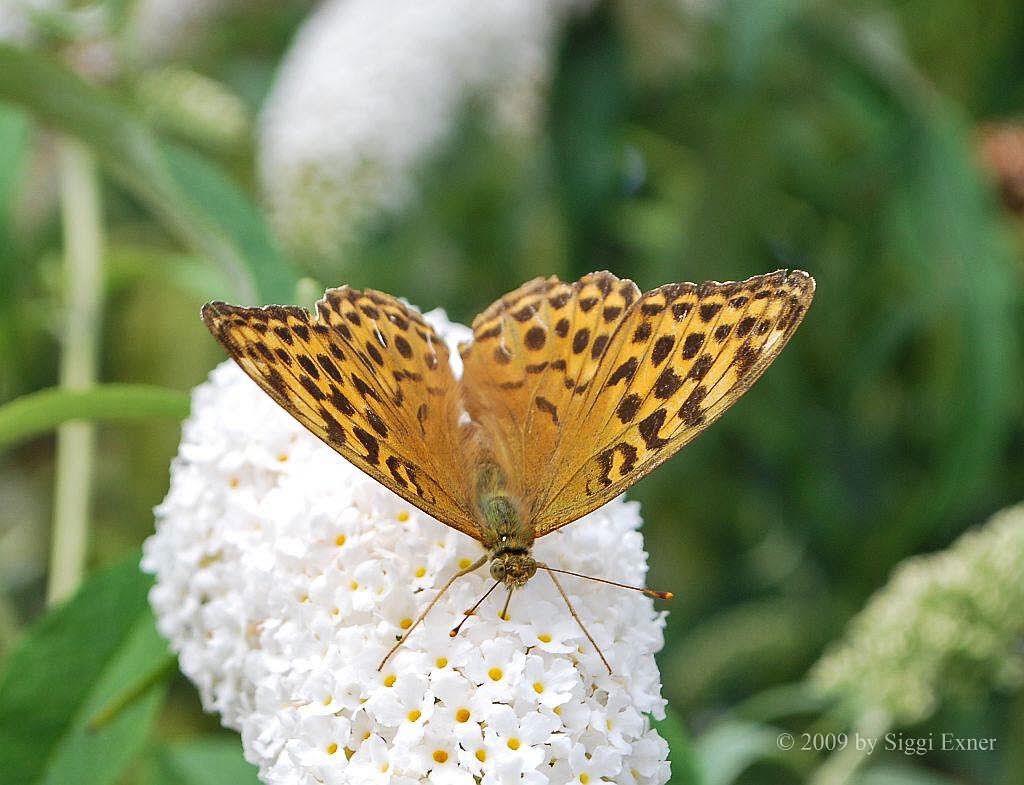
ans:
(664, 140)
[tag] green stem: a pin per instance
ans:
(83, 240)
(44, 410)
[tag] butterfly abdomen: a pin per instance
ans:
(500, 521)
(504, 531)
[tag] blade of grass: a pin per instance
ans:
(83, 249)
(42, 411)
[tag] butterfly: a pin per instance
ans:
(570, 394)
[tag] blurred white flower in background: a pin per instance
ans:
(947, 623)
(17, 18)
(166, 29)
(372, 88)
(283, 574)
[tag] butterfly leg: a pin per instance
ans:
(504, 611)
(572, 610)
(474, 566)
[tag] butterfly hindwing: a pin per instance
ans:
(678, 359)
(370, 378)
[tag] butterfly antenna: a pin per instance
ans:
(658, 595)
(471, 611)
(504, 611)
(551, 572)
(474, 566)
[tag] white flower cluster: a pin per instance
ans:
(371, 88)
(283, 575)
(946, 623)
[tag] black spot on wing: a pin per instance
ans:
(308, 366)
(628, 407)
(546, 406)
(580, 340)
(535, 338)
(370, 444)
(649, 428)
(311, 387)
(394, 465)
(376, 423)
(625, 371)
(403, 347)
(708, 310)
(668, 384)
(662, 349)
(692, 345)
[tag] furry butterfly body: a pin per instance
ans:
(571, 392)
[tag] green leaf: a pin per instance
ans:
(207, 762)
(588, 107)
(214, 194)
(42, 411)
(14, 136)
(682, 756)
(188, 194)
(73, 663)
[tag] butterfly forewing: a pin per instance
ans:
(678, 359)
(370, 378)
(533, 352)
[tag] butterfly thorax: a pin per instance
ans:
(506, 536)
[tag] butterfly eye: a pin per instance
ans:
(498, 570)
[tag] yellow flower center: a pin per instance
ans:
(464, 563)
(332, 748)
(328, 699)
(513, 743)
(584, 778)
(413, 715)
(420, 572)
(481, 755)
(462, 715)
(441, 662)
(353, 585)
(233, 482)
(544, 638)
(282, 457)
(403, 516)
(440, 756)
(405, 623)
(538, 687)
(389, 681)
(495, 674)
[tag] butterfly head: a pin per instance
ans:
(513, 568)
